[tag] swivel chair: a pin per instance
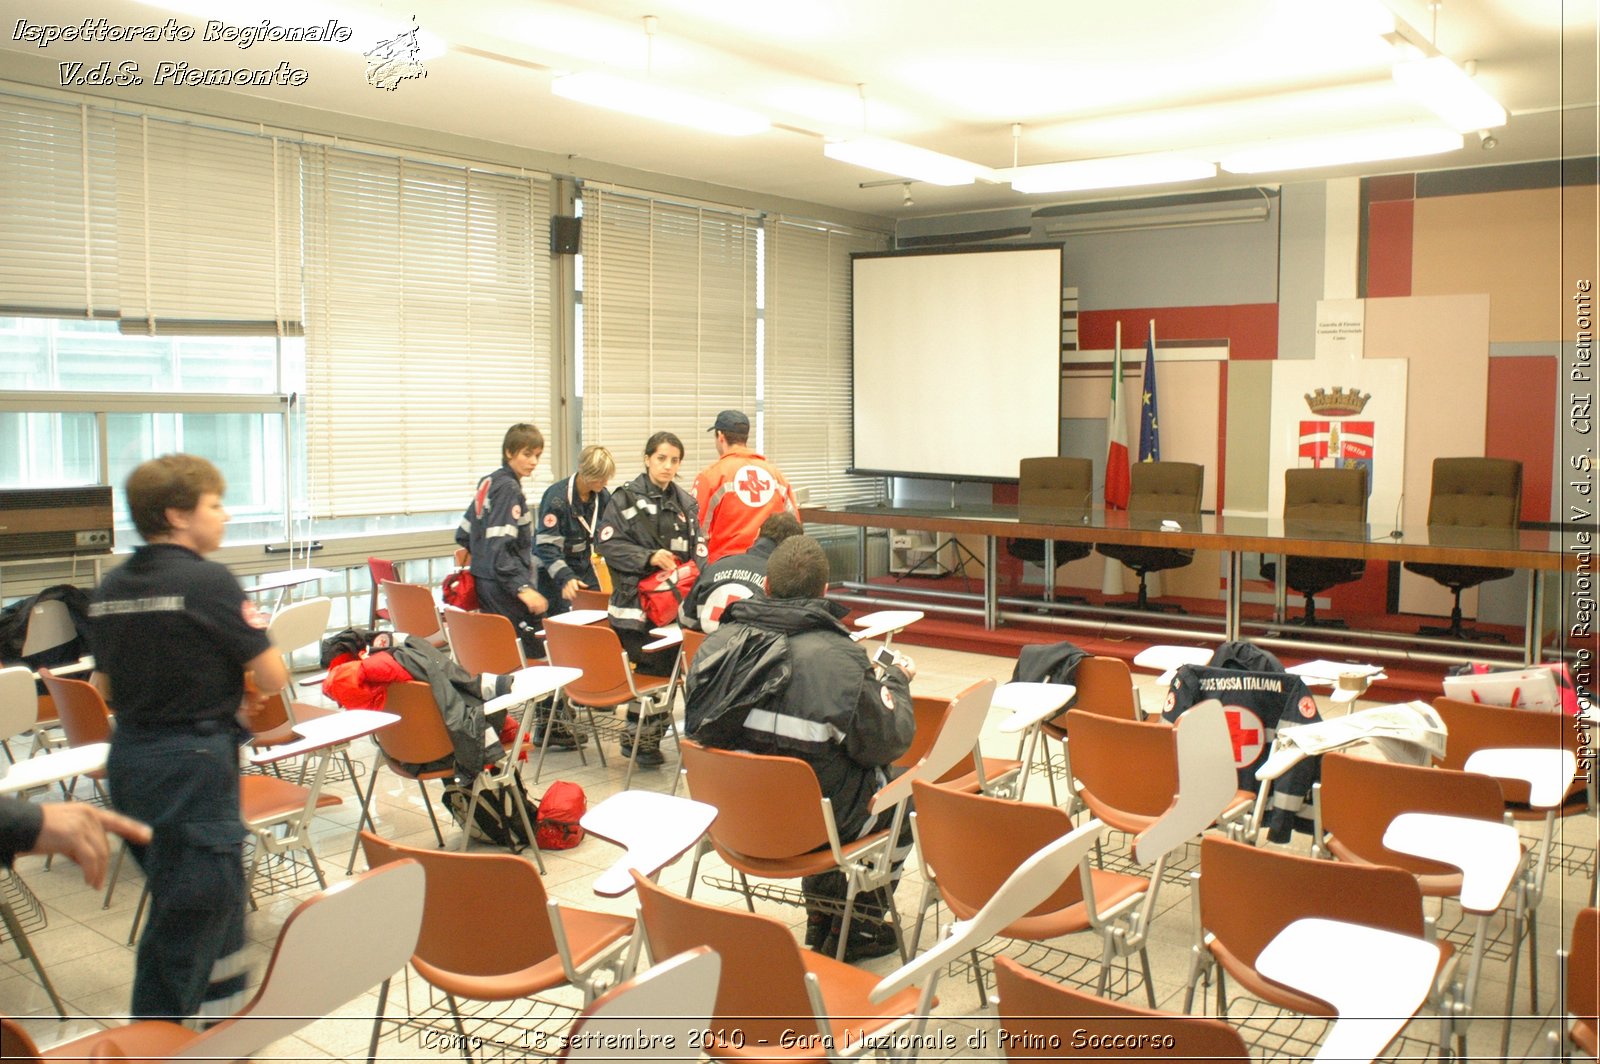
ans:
(1321, 502)
(1468, 495)
(1158, 491)
(1057, 483)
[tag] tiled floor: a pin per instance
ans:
(84, 946)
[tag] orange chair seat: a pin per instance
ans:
(1261, 987)
(1134, 823)
(589, 932)
(617, 694)
(1446, 884)
(448, 772)
(1583, 1036)
(146, 1040)
(845, 988)
(268, 797)
(967, 783)
(800, 864)
(1110, 888)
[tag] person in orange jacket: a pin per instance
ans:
(738, 491)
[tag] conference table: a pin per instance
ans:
(1539, 551)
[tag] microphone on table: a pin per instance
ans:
(1088, 501)
(1398, 506)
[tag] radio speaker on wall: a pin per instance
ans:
(565, 234)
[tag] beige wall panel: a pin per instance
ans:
(1445, 339)
(1189, 395)
(1249, 439)
(1504, 244)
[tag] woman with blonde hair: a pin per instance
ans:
(569, 514)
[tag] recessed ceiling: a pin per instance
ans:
(1085, 80)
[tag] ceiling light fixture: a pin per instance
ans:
(660, 102)
(905, 160)
(1124, 222)
(1446, 90)
(1117, 172)
(1362, 146)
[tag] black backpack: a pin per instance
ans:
(495, 819)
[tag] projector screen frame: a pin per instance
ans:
(1058, 246)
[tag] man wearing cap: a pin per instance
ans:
(738, 491)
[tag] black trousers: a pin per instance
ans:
(186, 787)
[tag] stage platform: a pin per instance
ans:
(1407, 680)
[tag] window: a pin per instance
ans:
(669, 321)
(427, 329)
(806, 364)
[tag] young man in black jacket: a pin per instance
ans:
(845, 717)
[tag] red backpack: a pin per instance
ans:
(562, 806)
(461, 590)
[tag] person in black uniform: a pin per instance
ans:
(569, 515)
(497, 531)
(649, 525)
(173, 637)
(735, 576)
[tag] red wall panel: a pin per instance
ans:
(1389, 248)
(1522, 425)
(1251, 329)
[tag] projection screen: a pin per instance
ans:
(956, 361)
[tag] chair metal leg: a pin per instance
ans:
(138, 913)
(377, 1022)
(1149, 981)
(116, 870)
(694, 866)
(749, 901)
(461, 1031)
(977, 977)
(25, 948)
(844, 923)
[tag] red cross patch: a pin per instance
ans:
(754, 486)
(549, 520)
(1245, 729)
(1308, 707)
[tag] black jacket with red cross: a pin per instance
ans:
(639, 520)
(1256, 705)
(497, 530)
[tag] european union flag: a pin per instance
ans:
(1149, 421)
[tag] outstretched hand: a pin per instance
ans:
(77, 830)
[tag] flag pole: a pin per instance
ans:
(1152, 580)
(1111, 573)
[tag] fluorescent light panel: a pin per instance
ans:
(1130, 222)
(1444, 88)
(1394, 142)
(1118, 172)
(904, 160)
(660, 102)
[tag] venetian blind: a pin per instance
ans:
(669, 323)
(58, 237)
(208, 229)
(807, 359)
(427, 327)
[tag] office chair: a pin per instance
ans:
(1159, 491)
(1317, 503)
(1469, 494)
(1059, 484)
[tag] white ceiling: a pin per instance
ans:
(1085, 79)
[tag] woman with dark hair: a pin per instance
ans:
(648, 526)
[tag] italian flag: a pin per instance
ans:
(1117, 477)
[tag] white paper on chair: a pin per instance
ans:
(1406, 732)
